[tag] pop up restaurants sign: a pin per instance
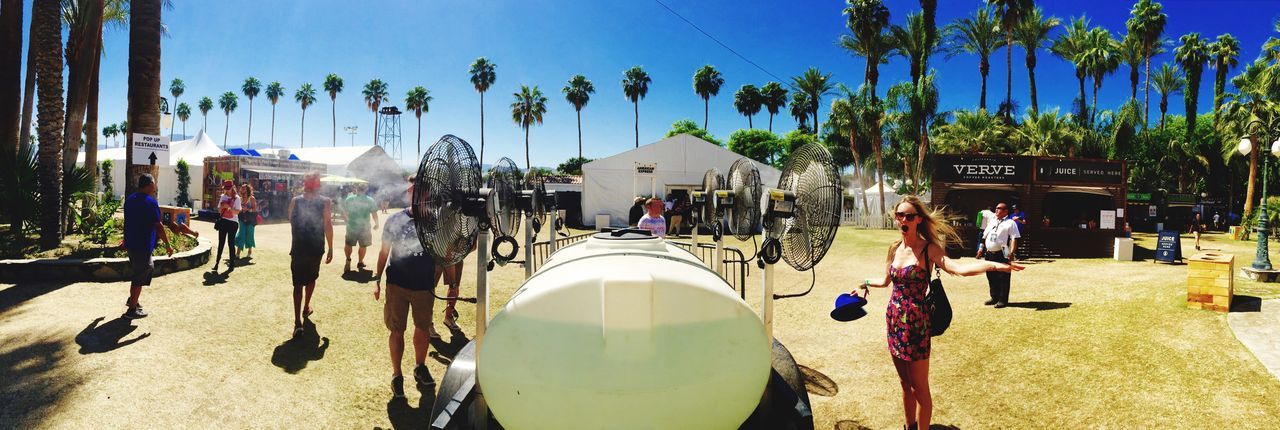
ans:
(982, 169)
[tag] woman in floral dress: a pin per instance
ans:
(925, 236)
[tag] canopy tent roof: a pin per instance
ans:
(370, 163)
(609, 184)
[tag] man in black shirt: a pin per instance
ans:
(411, 277)
(311, 225)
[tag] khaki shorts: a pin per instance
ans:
(400, 301)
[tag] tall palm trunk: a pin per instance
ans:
(771, 122)
(333, 110)
(81, 46)
(1083, 100)
(375, 126)
(302, 139)
(857, 164)
(637, 104)
(1008, 61)
(248, 138)
(1134, 77)
(171, 124)
(873, 75)
(1219, 86)
(91, 120)
(579, 133)
(1253, 176)
(481, 162)
(706, 108)
(1146, 91)
(144, 80)
(46, 29)
(225, 130)
(920, 152)
(419, 114)
(1164, 106)
(28, 92)
(1093, 110)
(984, 68)
(273, 127)
(1031, 80)
(10, 77)
(527, 164)
(205, 127)
(749, 123)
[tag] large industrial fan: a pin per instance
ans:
(504, 210)
(740, 201)
(704, 214)
(800, 218)
(537, 204)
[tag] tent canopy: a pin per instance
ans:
(610, 184)
(370, 163)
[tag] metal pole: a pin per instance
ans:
(767, 310)
(482, 287)
(718, 263)
(1262, 258)
(552, 216)
(528, 247)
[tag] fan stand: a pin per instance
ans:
(766, 308)
(528, 246)
(551, 217)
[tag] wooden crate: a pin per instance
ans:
(1210, 283)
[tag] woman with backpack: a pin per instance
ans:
(922, 249)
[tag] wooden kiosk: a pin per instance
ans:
(1075, 207)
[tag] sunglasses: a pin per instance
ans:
(905, 216)
(1001, 208)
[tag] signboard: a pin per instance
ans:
(1181, 199)
(1169, 246)
(1079, 171)
(982, 169)
(149, 149)
(1151, 211)
(1120, 213)
(646, 168)
(1107, 220)
(1138, 197)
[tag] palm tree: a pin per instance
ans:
(1168, 81)
(816, 84)
(205, 105)
(483, 75)
(110, 132)
(1147, 24)
(305, 96)
(1255, 84)
(418, 100)
(1226, 53)
(846, 117)
(774, 99)
(1047, 134)
(929, 8)
(973, 132)
(274, 92)
(184, 113)
(1032, 33)
(706, 82)
(913, 42)
(867, 21)
(83, 19)
(1011, 14)
(46, 31)
(976, 35)
(800, 108)
(918, 103)
(1071, 46)
(228, 103)
(1102, 58)
(10, 76)
(176, 88)
(1131, 53)
(1192, 55)
(250, 88)
(578, 92)
(145, 29)
(748, 102)
(375, 93)
(527, 110)
(333, 85)
(635, 85)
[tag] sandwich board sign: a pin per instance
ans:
(149, 149)
(1169, 246)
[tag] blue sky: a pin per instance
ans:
(215, 45)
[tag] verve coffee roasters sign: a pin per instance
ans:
(982, 169)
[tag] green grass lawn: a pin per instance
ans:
(1086, 343)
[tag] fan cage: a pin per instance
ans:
(448, 177)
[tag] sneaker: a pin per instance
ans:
(1000, 305)
(135, 312)
(423, 377)
(989, 302)
(397, 387)
(360, 265)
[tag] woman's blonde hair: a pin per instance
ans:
(935, 226)
(247, 186)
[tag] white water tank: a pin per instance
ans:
(628, 332)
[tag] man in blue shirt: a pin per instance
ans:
(141, 228)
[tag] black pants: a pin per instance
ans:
(998, 282)
(226, 235)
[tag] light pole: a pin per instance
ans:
(351, 129)
(1262, 258)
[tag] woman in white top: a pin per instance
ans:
(229, 206)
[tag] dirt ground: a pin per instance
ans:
(1085, 343)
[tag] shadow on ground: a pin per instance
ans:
(294, 354)
(445, 351)
(1040, 306)
(107, 337)
(1241, 303)
(20, 293)
(817, 383)
(361, 276)
(31, 391)
(405, 416)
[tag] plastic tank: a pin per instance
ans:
(627, 332)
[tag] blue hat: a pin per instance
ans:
(849, 307)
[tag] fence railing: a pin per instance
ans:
(855, 217)
(736, 265)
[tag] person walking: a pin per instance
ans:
(245, 239)
(637, 211)
(358, 208)
(411, 279)
(142, 226)
(1197, 228)
(229, 207)
(653, 220)
(921, 250)
(999, 245)
(311, 225)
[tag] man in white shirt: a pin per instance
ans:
(986, 217)
(999, 242)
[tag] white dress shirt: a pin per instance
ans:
(996, 237)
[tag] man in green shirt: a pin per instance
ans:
(358, 208)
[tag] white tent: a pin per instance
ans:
(609, 185)
(370, 163)
(192, 150)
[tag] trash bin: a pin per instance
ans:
(1210, 283)
(1123, 249)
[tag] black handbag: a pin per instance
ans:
(937, 303)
